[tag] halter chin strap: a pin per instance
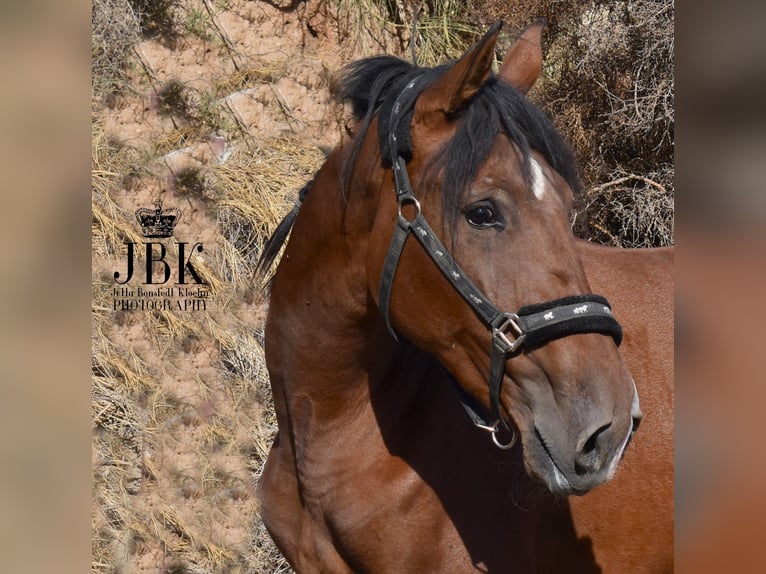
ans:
(529, 327)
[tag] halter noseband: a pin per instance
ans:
(530, 326)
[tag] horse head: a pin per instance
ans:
(488, 171)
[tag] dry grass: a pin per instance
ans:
(158, 18)
(428, 32)
(629, 210)
(441, 30)
(255, 179)
(258, 71)
(115, 30)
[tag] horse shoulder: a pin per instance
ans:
(639, 284)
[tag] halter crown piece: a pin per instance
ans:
(530, 326)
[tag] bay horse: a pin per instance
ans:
(442, 351)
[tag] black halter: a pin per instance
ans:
(530, 326)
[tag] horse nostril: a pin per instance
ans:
(636, 422)
(588, 457)
(590, 444)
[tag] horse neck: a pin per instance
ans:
(321, 314)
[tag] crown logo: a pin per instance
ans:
(158, 222)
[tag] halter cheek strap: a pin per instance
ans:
(529, 327)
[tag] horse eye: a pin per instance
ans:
(481, 216)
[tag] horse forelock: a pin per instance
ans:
(373, 84)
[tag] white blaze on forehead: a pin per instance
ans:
(538, 180)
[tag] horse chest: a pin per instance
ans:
(391, 513)
(393, 521)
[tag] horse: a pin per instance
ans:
(456, 377)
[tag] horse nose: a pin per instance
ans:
(593, 449)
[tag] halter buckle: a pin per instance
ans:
(510, 322)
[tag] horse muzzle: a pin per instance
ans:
(577, 466)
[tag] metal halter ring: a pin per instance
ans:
(409, 200)
(500, 445)
(493, 429)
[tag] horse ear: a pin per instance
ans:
(524, 61)
(463, 79)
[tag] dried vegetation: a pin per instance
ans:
(608, 85)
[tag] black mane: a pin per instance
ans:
(372, 85)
